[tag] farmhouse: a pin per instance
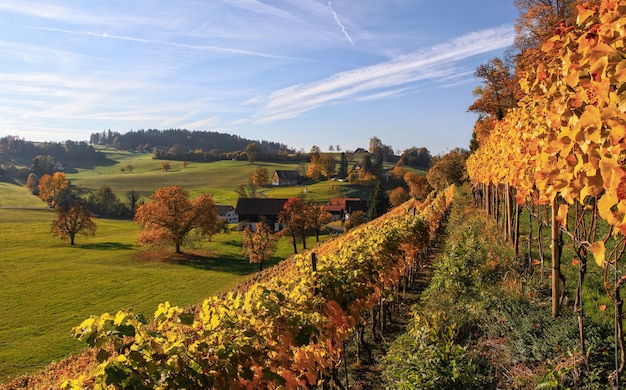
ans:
(253, 210)
(227, 213)
(285, 178)
(339, 207)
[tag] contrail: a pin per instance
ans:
(339, 23)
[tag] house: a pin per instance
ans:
(227, 213)
(253, 210)
(339, 207)
(285, 178)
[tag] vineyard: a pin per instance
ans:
(286, 328)
(560, 154)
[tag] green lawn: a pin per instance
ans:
(47, 286)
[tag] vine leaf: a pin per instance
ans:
(598, 250)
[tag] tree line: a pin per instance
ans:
(17, 153)
(208, 141)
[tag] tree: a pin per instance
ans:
(252, 151)
(535, 24)
(448, 169)
(170, 216)
(327, 165)
(398, 170)
(295, 217)
(31, 183)
(398, 196)
(343, 166)
(419, 188)
(105, 202)
(50, 186)
(355, 219)
(378, 203)
(241, 191)
(132, 197)
(165, 166)
(314, 171)
(43, 165)
(259, 245)
(499, 90)
(260, 177)
(72, 217)
(319, 218)
(417, 157)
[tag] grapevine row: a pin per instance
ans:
(565, 145)
(287, 329)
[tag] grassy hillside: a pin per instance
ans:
(220, 178)
(15, 195)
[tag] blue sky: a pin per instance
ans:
(300, 72)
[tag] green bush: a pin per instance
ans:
(427, 357)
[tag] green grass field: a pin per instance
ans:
(47, 286)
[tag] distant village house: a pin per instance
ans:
(227, 213)
(340, 207)
(253, 210)
(286, 178)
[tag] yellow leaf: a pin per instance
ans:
(561, 217)
(606, 202)
(598, 250)
(583, 14)
(591, 117)
(620, 71)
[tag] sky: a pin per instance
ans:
(298, 72)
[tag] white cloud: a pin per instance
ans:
(432, 63)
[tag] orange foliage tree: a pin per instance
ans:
(296, 217)
(51, 185)
(171, 215)
(419, 188)
(258, 245)
(73, 217)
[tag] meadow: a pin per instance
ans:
(47, 286)
(220, 178)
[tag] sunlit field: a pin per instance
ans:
(47, 286)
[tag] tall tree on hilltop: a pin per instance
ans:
(343, 166)
(499, 91)
(170, 216)
(314, 171)
(535, 24)
(252, 151)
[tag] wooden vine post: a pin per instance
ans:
(556, 262)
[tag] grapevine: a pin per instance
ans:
(565, 142)
(285, 330)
